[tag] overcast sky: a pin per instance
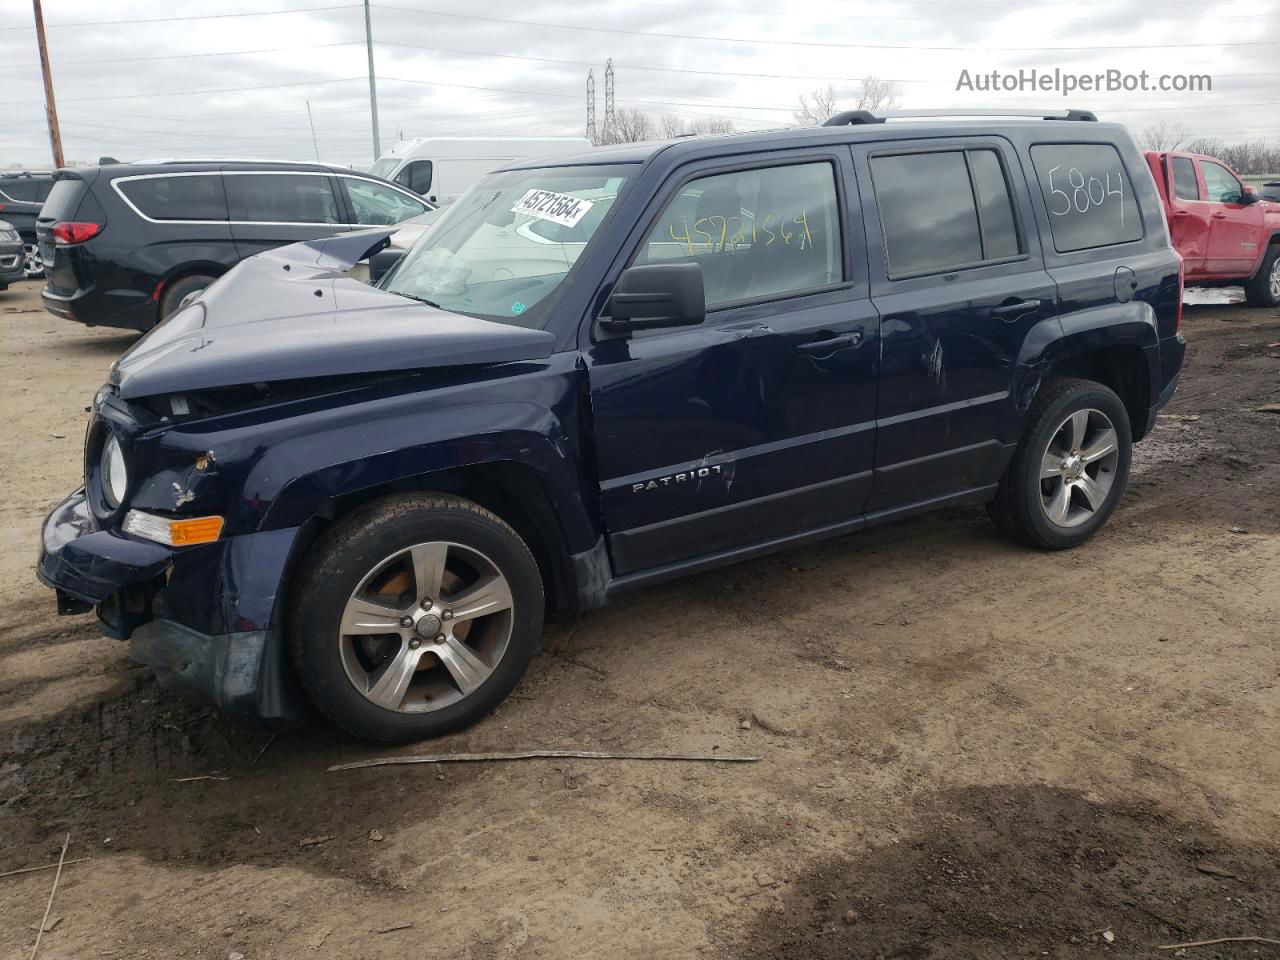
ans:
(167, 87)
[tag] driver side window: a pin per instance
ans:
(375, 204)
(1220, 183)
(756, 233)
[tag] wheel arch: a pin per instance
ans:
(510, 489)
(1115, 346)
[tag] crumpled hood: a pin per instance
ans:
(293, 313)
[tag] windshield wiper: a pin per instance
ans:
(410, 296)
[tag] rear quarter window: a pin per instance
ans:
(64, 199)
(1088, 195)
(198, 197)
(22, 190)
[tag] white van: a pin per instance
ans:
(442, 168)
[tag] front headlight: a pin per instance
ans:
(115, 475)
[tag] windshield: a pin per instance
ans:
(383, 167)
(506, 245)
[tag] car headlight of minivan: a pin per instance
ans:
(114, 473)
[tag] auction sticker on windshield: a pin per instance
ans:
(559, 208)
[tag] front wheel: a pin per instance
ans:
(1263, 289)
(1070, 468)
(32, 265)
(415, 616)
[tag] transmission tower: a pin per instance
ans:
(609, 120)
(591, 108)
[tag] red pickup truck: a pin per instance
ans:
(1226, 234)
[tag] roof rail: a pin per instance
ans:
(853, 117)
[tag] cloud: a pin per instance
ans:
(236, 85)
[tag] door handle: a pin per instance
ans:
(1219, 215)
(1181, 213)
(1011, 311)
(831, 344)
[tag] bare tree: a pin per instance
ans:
(1165, 135)
(821, 105)
(630, 126)
(1209, 146)
(672, 125)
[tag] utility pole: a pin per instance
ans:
(313, 132)
(373, 89)
(50, 108)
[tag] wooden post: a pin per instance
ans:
(50, 108)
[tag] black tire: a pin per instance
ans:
(1018, 510)
(338, 564)
(1263, 288)
(175, 292)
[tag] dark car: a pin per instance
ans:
(123, 244)
(21, 196)
(598, 373)
(1271, 191)
(11, 265)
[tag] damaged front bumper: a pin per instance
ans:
(129, 583)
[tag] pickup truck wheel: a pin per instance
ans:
(414, 617)
(1069, 470)
(1263, 289)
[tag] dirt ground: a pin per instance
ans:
(968, 749)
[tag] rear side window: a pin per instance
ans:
(196, 197)
(757, 233)
(1088, 195)
(944, 210)
(1185, 184)
(23, 190)
(281, 198)
(1220, 183)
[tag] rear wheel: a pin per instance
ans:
(1069, 470)
(415, 616)
(1263, 289)
(179, 290)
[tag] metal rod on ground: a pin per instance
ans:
(51, 108)
(373, 89)
(539, 754)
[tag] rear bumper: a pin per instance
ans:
(128, 310)
(244, 673)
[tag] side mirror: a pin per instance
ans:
(381, 262)
(656, 295)
(1248, 195)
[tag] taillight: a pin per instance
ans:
(70, 232)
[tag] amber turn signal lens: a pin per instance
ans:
(173, 532)
(183, 533)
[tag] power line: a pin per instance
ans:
(207, 16)
(193, 56)
(807, 43)
(188, 93)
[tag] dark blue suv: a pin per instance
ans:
(604, 372)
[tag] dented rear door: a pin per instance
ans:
(959, 280)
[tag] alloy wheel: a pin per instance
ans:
(32, 265)
(426, 627)
(1275, 279)
(1078, 469)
